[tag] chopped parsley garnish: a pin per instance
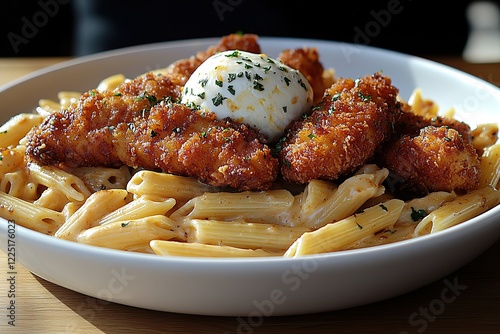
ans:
(234, 54)
(231, 77)
(365, 98)
(203, 82)
(218, 99)
(258, 86)
(231, 89)
(302, 84)
(145, 96)
(416, 215)
(286, 163)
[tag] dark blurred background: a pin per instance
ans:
(80, 27)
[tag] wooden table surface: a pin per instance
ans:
(42, 307)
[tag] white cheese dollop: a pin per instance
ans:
(250, 88)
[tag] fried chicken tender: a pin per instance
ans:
(439, 158)
(410, 124)
(243, 42)
(139, 125)
(66, 136)
(342, 132)
(306, 60)
(169, 137)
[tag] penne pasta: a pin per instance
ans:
(111, 82)
(29, 215)
(14, 184)
(321, 207)
(101, 178)
(459, 210)
(52, 199)
(421, 106)
(339, 235)
(175, 248)
(242, 234)
(52, 177)
(484, 135)
(490, 166)
(417, 208)
(65, 98)
(131, 233)
(166, 186)
(257, 207)
(17, 127)
(11, 160)
(91, 212)
(139, 208)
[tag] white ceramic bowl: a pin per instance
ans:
(261, 286)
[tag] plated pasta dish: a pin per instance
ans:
(233, 153)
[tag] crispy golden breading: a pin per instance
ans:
(306, 61)
(189, 142)
(65, 136)
(169, 137)
(342, 132)
(410, 124)
(186, 67)
(437, 159)
(134, 125)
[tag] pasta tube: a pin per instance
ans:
(490, 166)
(167, 186)
(260, 207)
(95, 207)
(243, 235)
(175, 248)
(101, 178)
(17, 127)
(321, 207)
(415, 209)
(131, 233)
(484, 135)
(459, 210)
(11, 159)
(29, 215)
(339, 235)
(139, 208)
(52, 177)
